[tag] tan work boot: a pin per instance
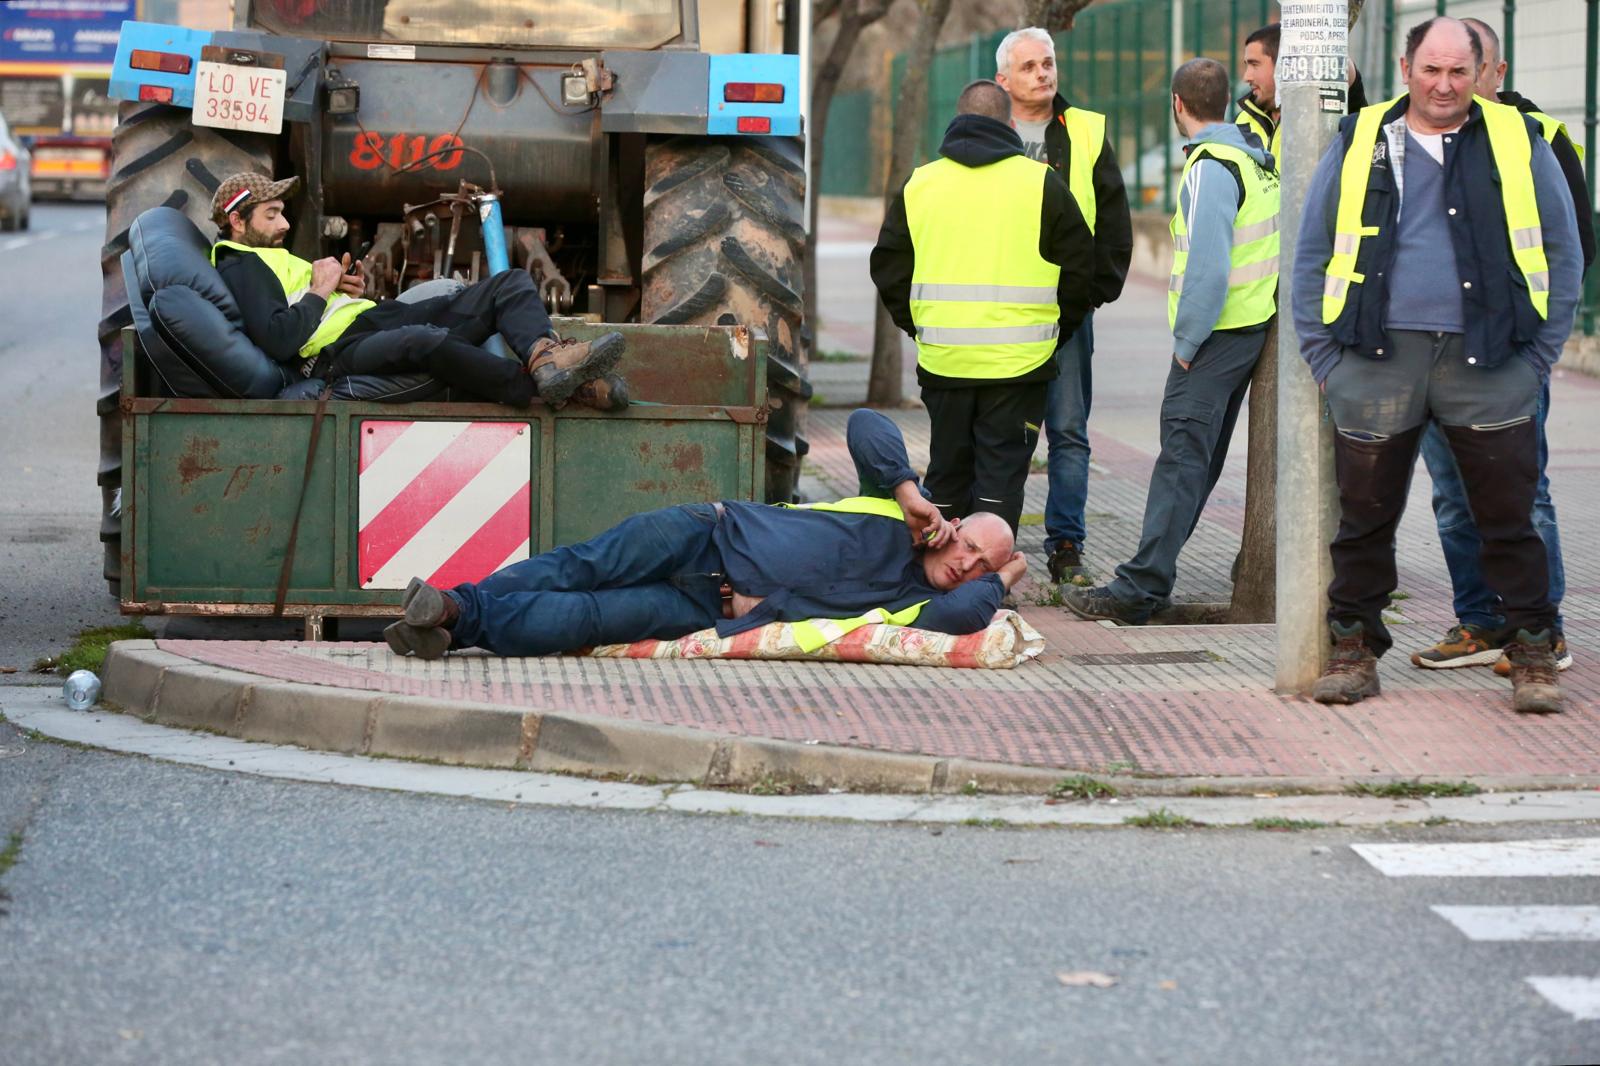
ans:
(560, 366)
(609, 392)
(1352, 673)
(1533, 673)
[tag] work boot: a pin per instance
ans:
(1533, 673)
(427, 607)
(1066, 565)
(559, 367)
(608, 392)
(1465, 645)
(1098, 603)
(424, 642)
(1352, 673)
(1558, 647)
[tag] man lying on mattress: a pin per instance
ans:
(737, 565)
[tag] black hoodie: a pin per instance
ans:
(1064, 239)
(1572, 167)
(1113, 227)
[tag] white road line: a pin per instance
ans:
(1578, 857)
(1578, 996)
(21, 242)
(843, 249)
(1524, 923)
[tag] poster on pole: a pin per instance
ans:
(1315, 40)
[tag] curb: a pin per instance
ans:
(158, 686)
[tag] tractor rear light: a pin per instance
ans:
(751, 92)
(159, 94)
(8, 161)
(752, 124)
(166, 62)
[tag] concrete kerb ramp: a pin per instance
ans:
(168, 689)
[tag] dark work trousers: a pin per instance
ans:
(1198, 412)
(1379, 408)
(443, 337)
(981, 439)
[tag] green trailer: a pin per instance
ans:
(212, 487)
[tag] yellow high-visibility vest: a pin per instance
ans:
(1255, 121)
(818, 632)
(1086, 139)
(1253, 270)
(982, 297)
(294, 274)
(1551, 128)
(1513, 154)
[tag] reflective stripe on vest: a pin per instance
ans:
(1553, 127)
(1086, 138)
(982, 297)
(818, 632)
(1512, 153)
(1253, 271)
(294, 274)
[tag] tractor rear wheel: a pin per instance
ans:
(723, 239)
(157, 159)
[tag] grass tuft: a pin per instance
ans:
(88, 651)
(1082, 787)
(1161, 819)
(8, 854)
(1287, 825)
(1414, 789)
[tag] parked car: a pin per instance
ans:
(16, 190)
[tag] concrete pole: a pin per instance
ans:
(1311, 96)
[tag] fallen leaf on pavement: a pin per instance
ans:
(8, 669)
(1168, 986)
(1085, 978)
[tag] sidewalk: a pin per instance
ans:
(1178, 701)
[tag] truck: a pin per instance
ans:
(642, 159)
(55, 65)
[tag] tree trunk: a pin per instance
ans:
(854, 16)
(883, 387)
(1052, 15)
(1255, 569)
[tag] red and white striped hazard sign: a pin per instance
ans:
(444, 501)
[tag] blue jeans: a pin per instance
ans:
(1475, 604)
(1066, 427)
(654, 575)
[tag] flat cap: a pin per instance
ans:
(241, 190)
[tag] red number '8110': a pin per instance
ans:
(370, 151)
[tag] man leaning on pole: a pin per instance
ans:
(1436, 276)
(1476, 637)
(986, 261)
(1222, 293)
(1071, 140)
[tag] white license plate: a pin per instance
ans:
(239, 98)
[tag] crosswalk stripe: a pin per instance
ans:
(1578, 857)
(1578, 996)
(1524, 923)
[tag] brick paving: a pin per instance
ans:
(1181, 700)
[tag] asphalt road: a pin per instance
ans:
(159, 914)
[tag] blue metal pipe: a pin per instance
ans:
(494, 233)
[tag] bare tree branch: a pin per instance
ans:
(1053, 15)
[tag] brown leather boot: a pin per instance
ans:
(1533, 673)
(608, 392)
(1352, 673)
(560, 366)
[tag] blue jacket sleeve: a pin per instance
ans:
(1209, 200)
(1562, 251)
(1313, 249)
(879, 451)
(965, 608)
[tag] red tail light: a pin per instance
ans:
(751, 124)
(166, 62)
(159, 94)
(751, 92)
(8, 161)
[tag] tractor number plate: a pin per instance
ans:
(235, 96)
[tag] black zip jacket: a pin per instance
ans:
(1572, 168)
(276, 327)
(1064, 239)
(1113, 228)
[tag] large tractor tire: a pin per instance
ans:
(158, 159)
(723, 239)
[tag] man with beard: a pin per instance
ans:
(315, 312)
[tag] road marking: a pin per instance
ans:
(1524, 923)
(1578, 857)
(1578, 996)
(844, 249)
(21, 242)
